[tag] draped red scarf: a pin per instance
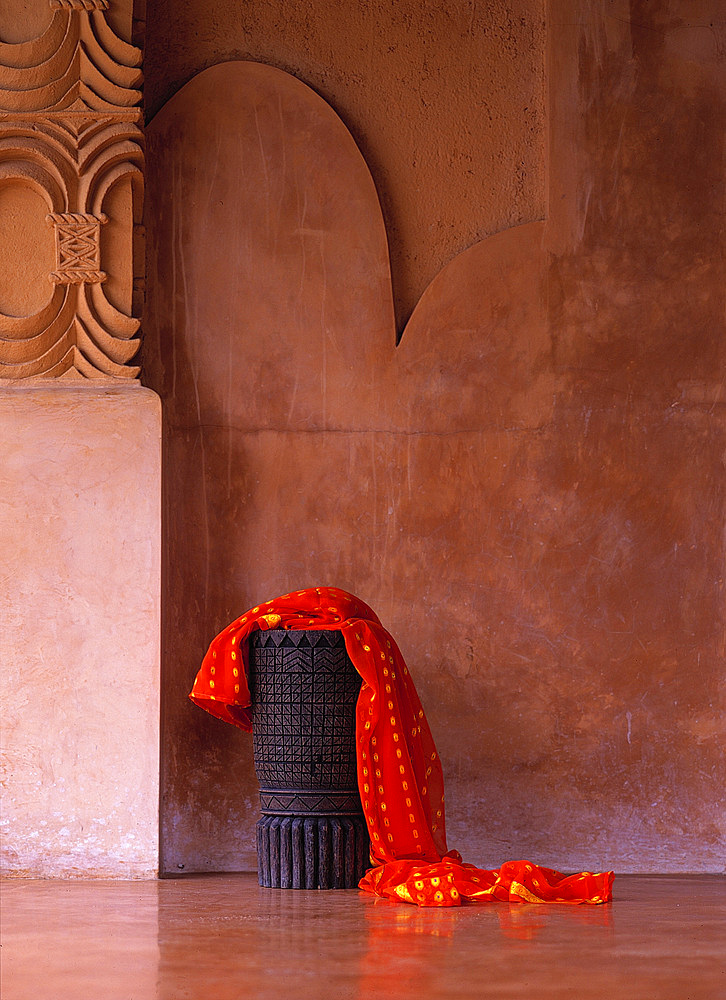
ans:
(399, 772)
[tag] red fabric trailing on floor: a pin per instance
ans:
(399, 772)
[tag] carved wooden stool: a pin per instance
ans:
(304, 690)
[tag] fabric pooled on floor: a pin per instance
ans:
(400, 777)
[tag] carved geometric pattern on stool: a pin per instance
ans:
(315, 803)
(304, 691)
(304, 694)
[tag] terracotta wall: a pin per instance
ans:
(80, 454)
(529, 489)
(80, 482)
(445, 100)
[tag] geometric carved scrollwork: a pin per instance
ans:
(70, 134)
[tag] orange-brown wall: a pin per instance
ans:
(530, 488)
(80, 462)
(445, 100)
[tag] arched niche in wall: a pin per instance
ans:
(301, 444)
(528, 489)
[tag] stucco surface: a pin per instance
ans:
(80, 483)
(445, 100)
(528, 489)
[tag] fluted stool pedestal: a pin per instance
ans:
(324, 852)
(304, 688)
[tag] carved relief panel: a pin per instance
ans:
(71, 186)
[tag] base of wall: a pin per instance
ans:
(80, 477)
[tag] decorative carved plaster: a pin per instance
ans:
(70, 128)
(77, 241)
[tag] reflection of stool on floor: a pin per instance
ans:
(304, 691)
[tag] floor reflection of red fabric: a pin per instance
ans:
(525, 922)
(411, 935)
(399, 771)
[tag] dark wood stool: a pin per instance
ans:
(304, 689)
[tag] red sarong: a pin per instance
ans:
(399, 772)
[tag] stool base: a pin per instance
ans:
(312, 852)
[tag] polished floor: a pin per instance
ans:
(222, 937)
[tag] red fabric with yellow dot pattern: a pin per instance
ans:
(399, 772)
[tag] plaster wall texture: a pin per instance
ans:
(529, 489)
(80, 481)
(446, 101)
